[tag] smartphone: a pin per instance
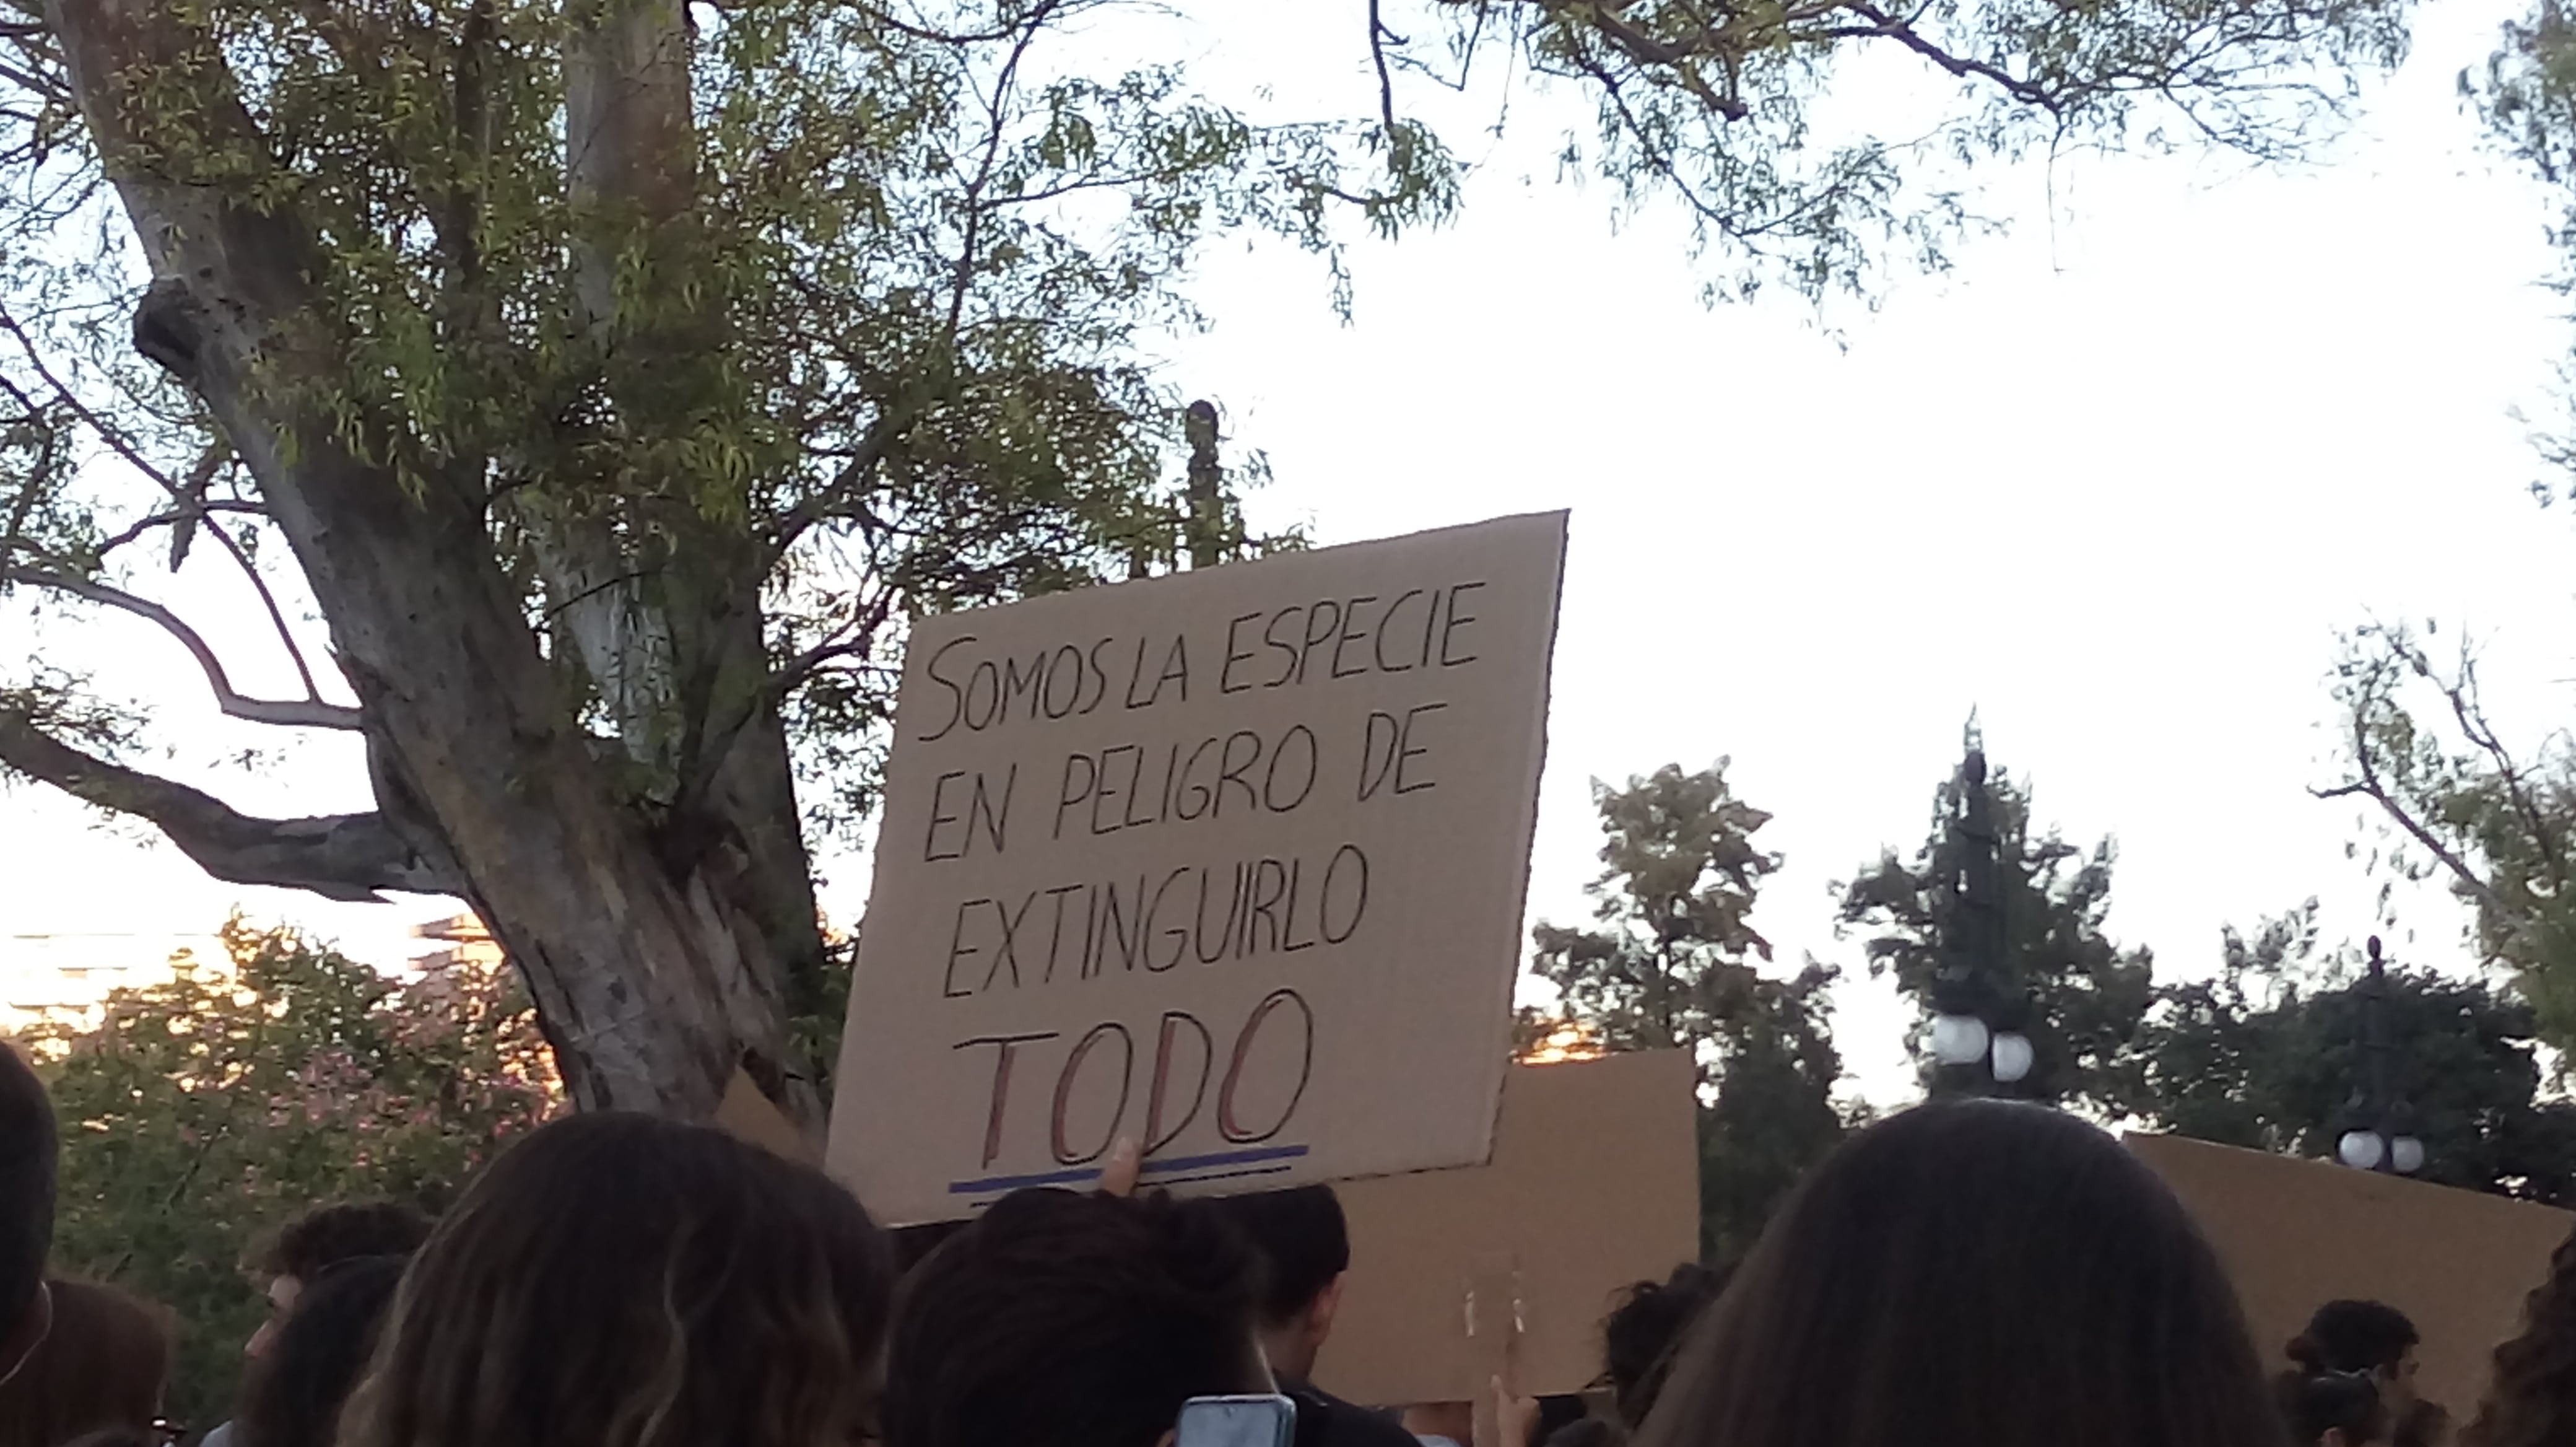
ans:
(1237, 1422)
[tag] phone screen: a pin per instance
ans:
(1237, 1422)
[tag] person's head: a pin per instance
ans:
(1973, 1274)
(1063, 1320)
(2335, 1409)
(1639, 1337)
(1305, 1248)
(2369, 1337)
(321, 1239)
(296, 1389)
(2531, 1391)
(103, 1365)
(27, 1151)
(615, 1280)
(120, 1437)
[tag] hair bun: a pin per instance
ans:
(2304, 1351)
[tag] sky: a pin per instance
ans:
(2114, 484)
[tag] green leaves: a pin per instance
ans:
(2077, 995)
(1670, 966)
(1674, 945)
(2461, 804)
(203, 1112)
(2267, 1053)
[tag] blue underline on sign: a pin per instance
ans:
(1178, 1170)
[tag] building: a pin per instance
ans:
(467, 941)
(68, 976)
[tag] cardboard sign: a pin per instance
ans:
(1230, 863)
(2296, 1234)
(1594, 1186)
(747, 1115)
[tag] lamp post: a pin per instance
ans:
(1975, 1039)
(2378, 1125)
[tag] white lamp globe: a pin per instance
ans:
(2013, 1056)
(2361, 1149)
(1958, 1039)
(2406, 1154)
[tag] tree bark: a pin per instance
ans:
(337, 856)
(652, 977)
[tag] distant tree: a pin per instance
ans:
(2267, 1054)
(2527, 97)
(2461, 803)
(1669, 964)
(2078, 996)
(1772, 1114)
(201, 1113)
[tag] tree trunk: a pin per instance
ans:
(651, 944)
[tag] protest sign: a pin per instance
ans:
(1593, 1187)
(747, 1115)
(2296, 1234)
(1229, 862)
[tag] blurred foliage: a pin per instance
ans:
(202, 1113)
(1669, 964)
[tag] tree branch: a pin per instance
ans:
(1379, 36)
(338, 856)
(135, 530)
(2369, 786)
(189, 494)
(292, 713)
(1885, 26)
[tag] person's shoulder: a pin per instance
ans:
(1346, 1425)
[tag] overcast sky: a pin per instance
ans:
(2115, 484)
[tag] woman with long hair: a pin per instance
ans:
(1973, 1274)
(104, 1365)
(314, 1354)
(2531, 1394)
(619, 1281)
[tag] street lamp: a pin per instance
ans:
(1971, 1029)
(2379, 1126)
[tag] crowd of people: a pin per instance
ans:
(1965, 1274)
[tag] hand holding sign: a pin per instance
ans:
(1126, 1162)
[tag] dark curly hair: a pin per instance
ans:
(1639, 1337)
(1062, 1320)
(2531, 1394)
(2355, 1336)
(328, 1235)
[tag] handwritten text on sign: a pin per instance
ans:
(1230, 863)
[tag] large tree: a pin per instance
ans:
(1669, 962)
(2055, 975)
(616, 378)
(2267, 1054)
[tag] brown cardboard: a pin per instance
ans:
(1594, 1186)
(1230, 862)
(2296, 1234)
(748, 1115)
